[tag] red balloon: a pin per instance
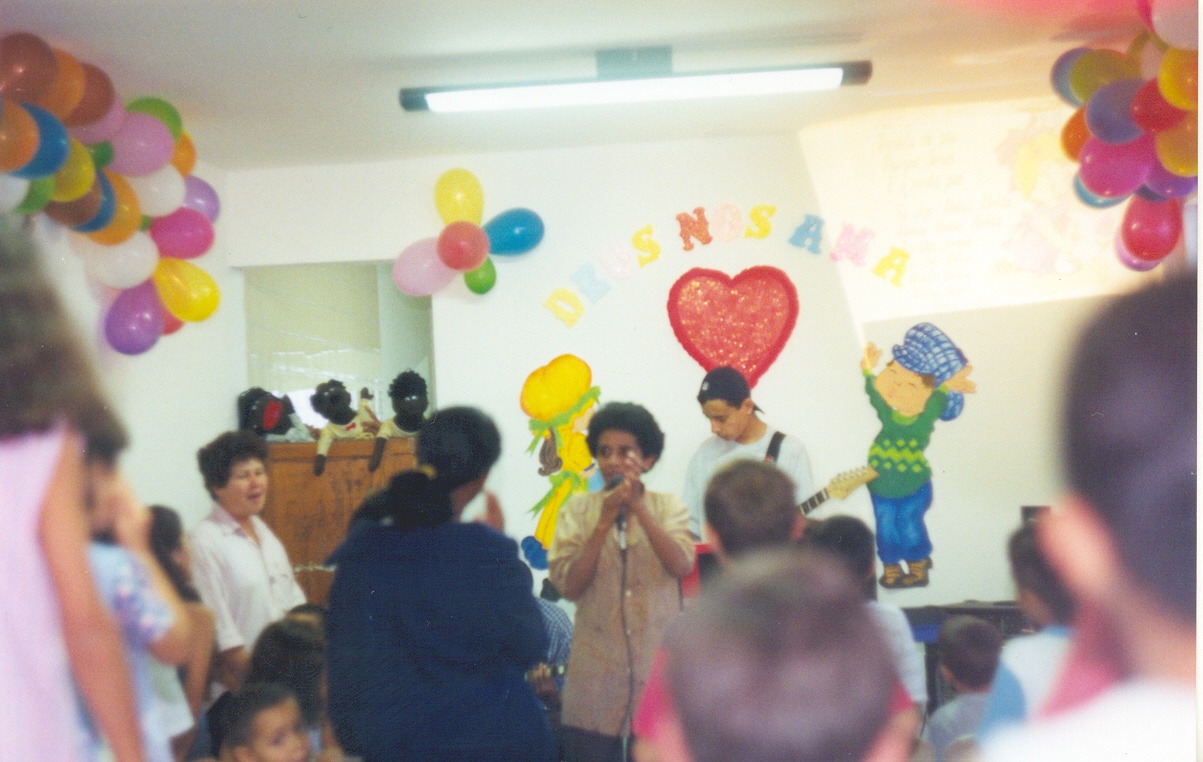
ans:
(1151, 111)
(97, 98)
(1151, 229)
(27, 66)
(463, 246)
(1114, 170)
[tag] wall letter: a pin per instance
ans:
(590, 285)
(695, 226)
(565, 305)
(761, 225)
(894, 261)
(726, 222)
(809, 234)
(853, 245)
(643, 241)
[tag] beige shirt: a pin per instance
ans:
(597, 690)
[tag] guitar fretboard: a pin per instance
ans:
(814, 501)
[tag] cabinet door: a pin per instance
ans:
(310, 513)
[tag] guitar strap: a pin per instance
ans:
(770, 455)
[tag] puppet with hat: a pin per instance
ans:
(925, 382)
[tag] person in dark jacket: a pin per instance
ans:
(432, 623)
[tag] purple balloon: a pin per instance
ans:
(183, 234)
(103, 128)
(1114, 170)
(1168, 185)
(135, 320)
(142, 145)
(1109, 112)
(199, 195)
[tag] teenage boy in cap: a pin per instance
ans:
(922, 384)
(738, 434)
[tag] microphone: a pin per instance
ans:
(620, 523)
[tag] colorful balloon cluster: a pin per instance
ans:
(117, 174)
(1135, 131)
(464, 246)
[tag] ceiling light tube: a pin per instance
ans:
(635, 90)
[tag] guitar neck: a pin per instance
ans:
(814, 501)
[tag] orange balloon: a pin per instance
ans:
(68, 87)
(1074, 134)
(184, 158)
(19, 136)
(127, 216)
(96, 100)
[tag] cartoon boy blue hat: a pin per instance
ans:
(925, 349)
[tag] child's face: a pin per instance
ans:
(728, 421)
(902, 389)
(279, 736)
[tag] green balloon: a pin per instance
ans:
(482, 279)
(102, 153)
(38, 195)
(146, 220)
(161, 110)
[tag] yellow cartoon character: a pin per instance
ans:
(559, 398)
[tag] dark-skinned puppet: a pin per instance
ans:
(332, 401)
(409, 397)
(924, 383)
(271, 417)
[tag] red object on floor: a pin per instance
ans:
(692, 582)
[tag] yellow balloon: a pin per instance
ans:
(76, 176)
(458, 197)
(186, 290)
(1178, 147)
(1178, 78)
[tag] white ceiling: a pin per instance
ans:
(278, 82)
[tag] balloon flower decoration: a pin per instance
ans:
(117, 174)
(464, 246)
(1135, 133)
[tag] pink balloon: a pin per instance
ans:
(134, 322)
(102, 129)
(463, 246)
(1151, 229)
(183, 234)
(418, 271)
(142, 145)
(1114, 170)
(199, 195)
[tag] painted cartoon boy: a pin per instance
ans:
(924, 382)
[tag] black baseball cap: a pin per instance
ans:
(727, 384)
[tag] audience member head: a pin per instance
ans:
(170, 549)
(46, 376)
(1041, 596)
(263, 724)
(968, 649)
(313, 614)
(749, 505)
(1130, 449)
(219, 459)
(293, 654)
(851, 541)
(631, 418)
(781, 660)
(456, 449)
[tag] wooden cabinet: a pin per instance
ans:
(310, 513)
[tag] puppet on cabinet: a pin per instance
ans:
(271, 417)
(922, 384)
(409, 397)
(332, 401)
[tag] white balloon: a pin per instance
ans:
(159, 193)
(12, 192)
(1177, 22)
(125, 265)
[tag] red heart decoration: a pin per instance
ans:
(743, 321)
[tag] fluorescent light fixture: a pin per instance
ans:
(637, 89)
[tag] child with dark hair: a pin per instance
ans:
(263, 723)
(432, 623)
(619, 554)
(780, 661)
(1030, 664)
(968, 649)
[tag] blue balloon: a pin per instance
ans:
(108, 207)
(1060, 76)
(53, 145)
(1109, 112)
(1093, 199)
(514, 231)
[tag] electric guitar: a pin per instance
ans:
(843, 485)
